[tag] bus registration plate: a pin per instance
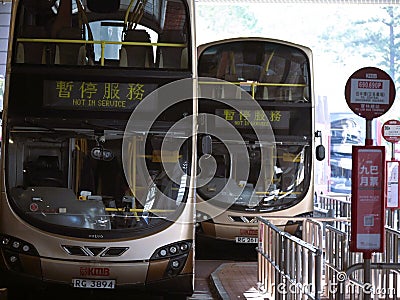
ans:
(246, 240)
(93, 283)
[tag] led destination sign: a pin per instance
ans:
(255, 118)
(98, 96)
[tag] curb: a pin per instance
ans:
(218, 284)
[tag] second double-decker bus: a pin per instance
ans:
(263, 87)
(86, 201)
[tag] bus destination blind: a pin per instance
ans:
(95, 96)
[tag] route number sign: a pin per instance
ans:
(391, 131)
(370, 92)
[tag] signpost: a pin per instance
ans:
(392, 185)
(369, 93)
(391, 133)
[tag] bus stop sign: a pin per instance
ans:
(391, 131)
(370, 92)
(367, 199)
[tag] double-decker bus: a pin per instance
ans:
(346, 132)
(86, 199)
(264, 90)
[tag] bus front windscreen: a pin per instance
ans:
(257, 191)
(72, 179)
(277, 77)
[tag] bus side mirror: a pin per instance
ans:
(320, 152)
(206, 145)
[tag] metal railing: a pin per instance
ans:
(320, 265)
(344, 270)
(288, 267)
(335, 205)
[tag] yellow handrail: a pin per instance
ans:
(136, 210)
(254, 83)
(101, 43)
(26, 40)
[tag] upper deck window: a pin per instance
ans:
(277, 72)
(140, 34)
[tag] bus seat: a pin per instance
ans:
(298, 93)
(172, 57)
(226, 67)
(283, 93)
(70, 53)
(44, 171)
(228, 71)
(32, 52)
(185, 58)
(136, 56)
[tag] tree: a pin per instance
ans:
(386, 41)
(224, 21)
(376, 39)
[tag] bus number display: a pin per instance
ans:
(377, 85)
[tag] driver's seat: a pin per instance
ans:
(44, 171)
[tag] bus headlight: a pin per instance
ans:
(17, 245)
(169, 260)
(201, 217)
(172, 250)
(13, 259)
(16, 252)
(175, 264)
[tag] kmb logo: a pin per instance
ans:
(249, 232)
(88, 271)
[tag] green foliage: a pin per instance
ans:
(375, 38)
(223, 21)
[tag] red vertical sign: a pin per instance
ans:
(368, 199)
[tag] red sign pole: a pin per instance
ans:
(369, 92)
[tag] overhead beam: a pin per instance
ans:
(344, 2)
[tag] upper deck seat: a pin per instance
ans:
(32, 52)
(172, 57)
(227, 70)
(70, 53)
(135, 55)
(282, 93)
